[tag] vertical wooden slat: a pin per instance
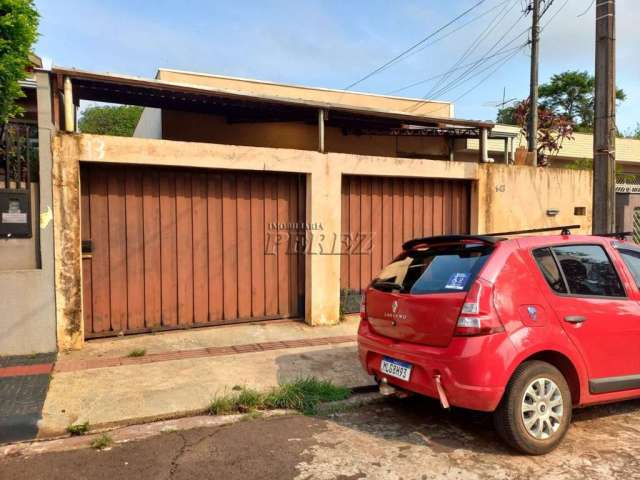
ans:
(215, 247)
(355, 232)
(99, 213)
(184, 247)
(152, 254)
(376, 226)
(437, 208)
(135, 249)
(446, 207)
(344, 244)
(397, 218)
(364, 243)
(283, 267)
(200, 248)
(418, 205)
(229, 246)
(464, 207)
(456, 192)
(407, 210)
(271, 234)
(387, 221)
(257, 246)
(244, 244)
(292, 255)
(87, 296)
(85, 234)
(302, 217)
(117, 250)
(427, 209)
(168, 253)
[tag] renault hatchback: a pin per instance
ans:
(527, 328)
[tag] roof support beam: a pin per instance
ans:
(69, 107)
(322, 114)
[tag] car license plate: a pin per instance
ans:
(396, 368)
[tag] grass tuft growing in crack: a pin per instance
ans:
(137, 352)
(303, 395)
(78, 429)
(102, 442)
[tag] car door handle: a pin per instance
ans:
(575, 318)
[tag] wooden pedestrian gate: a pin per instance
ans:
(171, 248)
(380, 213)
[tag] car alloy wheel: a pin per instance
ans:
(542, 408)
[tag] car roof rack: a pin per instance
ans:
(490, 238)
(617, 235)
(564, 230)
(449, 239)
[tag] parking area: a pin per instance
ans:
(397, 439)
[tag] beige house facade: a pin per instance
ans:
(246, 201)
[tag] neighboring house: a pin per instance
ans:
(578, 153)
(241, 200)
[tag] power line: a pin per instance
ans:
(448, 34)
(474, 45)
(428, 79)
(414, 46)
(555, 14)
(465, 75)
(468, 73)
(588, 8)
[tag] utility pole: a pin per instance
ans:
(604, 158)
(532, 126)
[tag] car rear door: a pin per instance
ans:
(597, 309)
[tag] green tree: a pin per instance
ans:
(507, 115)
(571, 95)
(119, 120)
(18, 32)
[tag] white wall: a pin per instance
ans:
(150, 124)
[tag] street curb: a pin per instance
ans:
(362, 395)
(53, 434)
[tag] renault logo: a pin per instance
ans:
(394, 306)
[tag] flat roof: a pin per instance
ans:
(119, 88)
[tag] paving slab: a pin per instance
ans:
(177, 386)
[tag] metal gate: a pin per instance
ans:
(380, 213)
(171, 248)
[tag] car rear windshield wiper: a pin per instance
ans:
(389, 285)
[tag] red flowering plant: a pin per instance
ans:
(553, 129)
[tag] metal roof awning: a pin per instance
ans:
(240, 106)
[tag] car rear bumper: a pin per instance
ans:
(473, 370)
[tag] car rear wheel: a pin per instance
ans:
(535, 412)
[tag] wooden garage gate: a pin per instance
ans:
(389, 211)
(175, 248)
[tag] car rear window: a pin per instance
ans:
(449, 268)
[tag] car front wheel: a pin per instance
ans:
(535, 412)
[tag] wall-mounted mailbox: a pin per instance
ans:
(15, 213)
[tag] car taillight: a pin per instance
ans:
(478, 317)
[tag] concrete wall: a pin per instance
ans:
(27, 319)
(503, 198)
(341, 97)
(518, 197)
(194, 127)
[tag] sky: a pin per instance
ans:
(333, 43)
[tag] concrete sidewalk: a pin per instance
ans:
(181, 372)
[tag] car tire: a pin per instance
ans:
(535, 412)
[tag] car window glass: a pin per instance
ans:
(441, 269)
(588, 271)
(549, 268)
(632, 261)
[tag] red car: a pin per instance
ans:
(527, 328)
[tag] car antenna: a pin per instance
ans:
(564, 230)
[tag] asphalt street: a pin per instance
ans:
(399, 439)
